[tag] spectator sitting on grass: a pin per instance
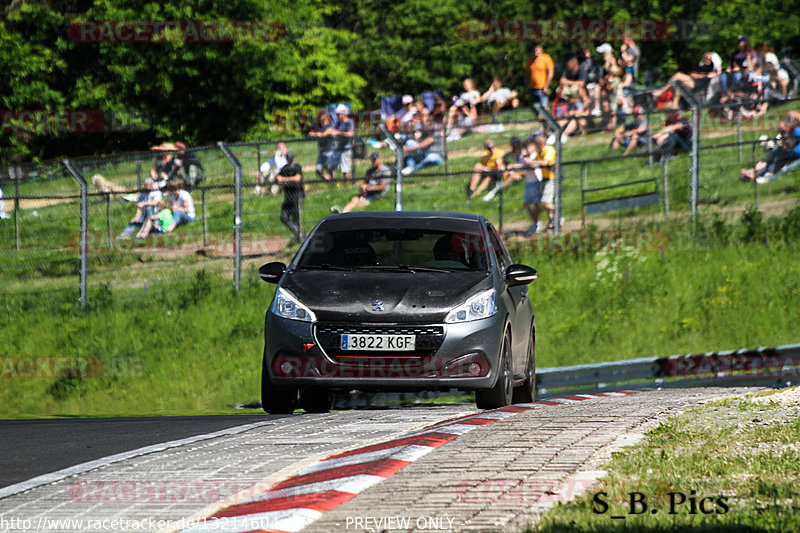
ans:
(164, 166)
(159, 222)
(632, 133)
(425, 149)
(573, 81)
(514, 162)
(148, 200)
(464, 111)
(489, 169)
(676, 135)
(182, 205)
(376, 184)
(777, 158)
(497, 97)
(697, 80)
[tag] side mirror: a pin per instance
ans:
(271, 272)
(520, 275)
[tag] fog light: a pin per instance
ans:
(474, 369)
(286, 367)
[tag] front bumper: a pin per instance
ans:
(466, 359)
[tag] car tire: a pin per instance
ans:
(501, 392)
(526, 393)
(316, 399)
(276, 400)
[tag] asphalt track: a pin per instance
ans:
(29, 448)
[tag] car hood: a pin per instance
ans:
(404, 296)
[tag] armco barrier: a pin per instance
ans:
(776, 367)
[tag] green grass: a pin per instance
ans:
(193, 345)
(739, 454)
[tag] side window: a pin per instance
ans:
(503, 259)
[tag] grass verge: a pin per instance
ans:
(729, 466)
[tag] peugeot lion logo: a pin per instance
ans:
(377, 305)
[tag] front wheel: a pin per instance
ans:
(526, 393)
(500, 394)
(276, 400)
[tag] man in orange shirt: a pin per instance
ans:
(539, 69)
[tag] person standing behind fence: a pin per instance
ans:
(539, 70)
(3, 214)
(539, 187)
(326, 144)
(345, 131)
(291, 178)
(182, 205)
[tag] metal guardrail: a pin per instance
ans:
(774, 367)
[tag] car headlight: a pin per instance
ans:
(285, 305)
(481, 305)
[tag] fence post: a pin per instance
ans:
(237, 214)
(108, 222)
(695, 153)
(583, 194)
(739, 136)
(666, 187)
(205, 216)
(139, 174)
(16, 174)
(552, 126)
(84, 241)
(398, 150)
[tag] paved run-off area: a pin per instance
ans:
(498, 477)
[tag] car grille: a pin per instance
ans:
(428, 339)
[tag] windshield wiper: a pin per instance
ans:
(404, 268)
(327, 266)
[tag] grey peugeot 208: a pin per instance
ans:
(398, 301)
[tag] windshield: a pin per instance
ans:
(398, 249)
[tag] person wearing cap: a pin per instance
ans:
(539, 189)
(539, 73)
(345, 131)
(290, 178)
(376, 184)
(489, 169)
(164, 165)
(409, 110)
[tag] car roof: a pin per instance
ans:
(406, 215)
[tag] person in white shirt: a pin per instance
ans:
(181, 204)
(269, 169)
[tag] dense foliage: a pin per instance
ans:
(317, 53)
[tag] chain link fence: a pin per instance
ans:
(40, 237)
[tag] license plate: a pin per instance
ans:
(378, 342)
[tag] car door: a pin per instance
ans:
(519, 310)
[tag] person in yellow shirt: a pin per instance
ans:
(539, 180)
(490, 168)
